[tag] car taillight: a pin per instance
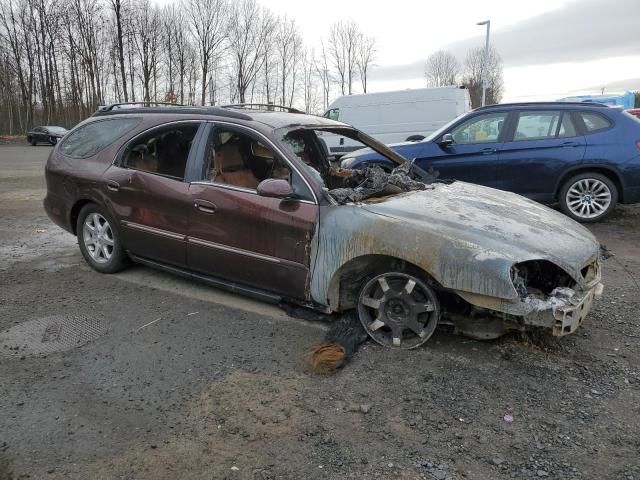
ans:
(638, 144)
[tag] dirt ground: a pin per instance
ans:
(141, 375)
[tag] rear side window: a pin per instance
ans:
(93, 137)
(567, 127)
(163, 151)
(537, 125)
(594, 122)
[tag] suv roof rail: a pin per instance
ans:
(534, 104)
(118, 106)
(264, 106)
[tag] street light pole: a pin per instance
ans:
(485, 63)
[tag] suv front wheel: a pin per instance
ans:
(99, 240)
(588, 197)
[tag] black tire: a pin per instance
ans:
(32, 141)
(415, 138)
(53, 140)
(117, 258)
(398, 309)
(583, 197)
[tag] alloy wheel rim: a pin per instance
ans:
(588, 198)
(98, 238)
(398, 310)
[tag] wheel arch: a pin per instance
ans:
(608, 172)
(346, 282)
(75, 211)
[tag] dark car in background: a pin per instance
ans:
(48, 134)
(585, 157)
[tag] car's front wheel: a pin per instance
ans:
(588, 197)
(99, 240)
(53, 140)
(398, 310)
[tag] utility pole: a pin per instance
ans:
(485, 64)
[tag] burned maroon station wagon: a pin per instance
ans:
(247, 199)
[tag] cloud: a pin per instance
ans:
(579, 31)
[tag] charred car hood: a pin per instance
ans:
(493, 222)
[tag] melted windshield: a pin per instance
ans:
(345, 185)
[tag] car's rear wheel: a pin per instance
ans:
(32, 141)
(588, 197)
(99, 240)
(398, 310)
(53, 140)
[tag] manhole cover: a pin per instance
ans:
(50, 334)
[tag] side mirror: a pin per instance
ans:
(275, 188)
(447, 140)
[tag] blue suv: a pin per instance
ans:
(583, 156)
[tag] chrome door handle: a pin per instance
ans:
(205, 207)
(488, 151)
(113, 186)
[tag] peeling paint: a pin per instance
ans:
(471, 258)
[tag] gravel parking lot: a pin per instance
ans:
(141, 375)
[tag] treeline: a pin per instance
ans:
(443, 68)
(60, 59)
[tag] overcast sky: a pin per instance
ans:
(550, 48)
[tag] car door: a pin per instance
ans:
(541, 144)
(38, 134)
(148, 194)
(474, 152)
(240, 236)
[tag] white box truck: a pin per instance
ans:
(398, 116)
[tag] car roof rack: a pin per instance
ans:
(118, 106)
(167, 108)
(535, 104)
(264, 106)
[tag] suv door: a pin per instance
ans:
(242, 237)
(474, 152)
(148, 193)
(540, 146)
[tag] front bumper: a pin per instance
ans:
(563, 312)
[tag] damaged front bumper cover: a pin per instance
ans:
(563, 311)
(560, 312)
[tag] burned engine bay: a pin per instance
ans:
(347, 185)
(372, 182)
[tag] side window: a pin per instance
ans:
(238, 159)
(482, 129)
(333, 114)
(594, 122)
(536, 125)
(163, 151)
(567, 127)
(89, 139)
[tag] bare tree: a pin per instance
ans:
(208, 22)
(116, 6)
(287, 46)
(343, 48)
(442, 68)
(248, 33)
(473, 76)
(366, 52)
(147, 40)
(323, 72)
